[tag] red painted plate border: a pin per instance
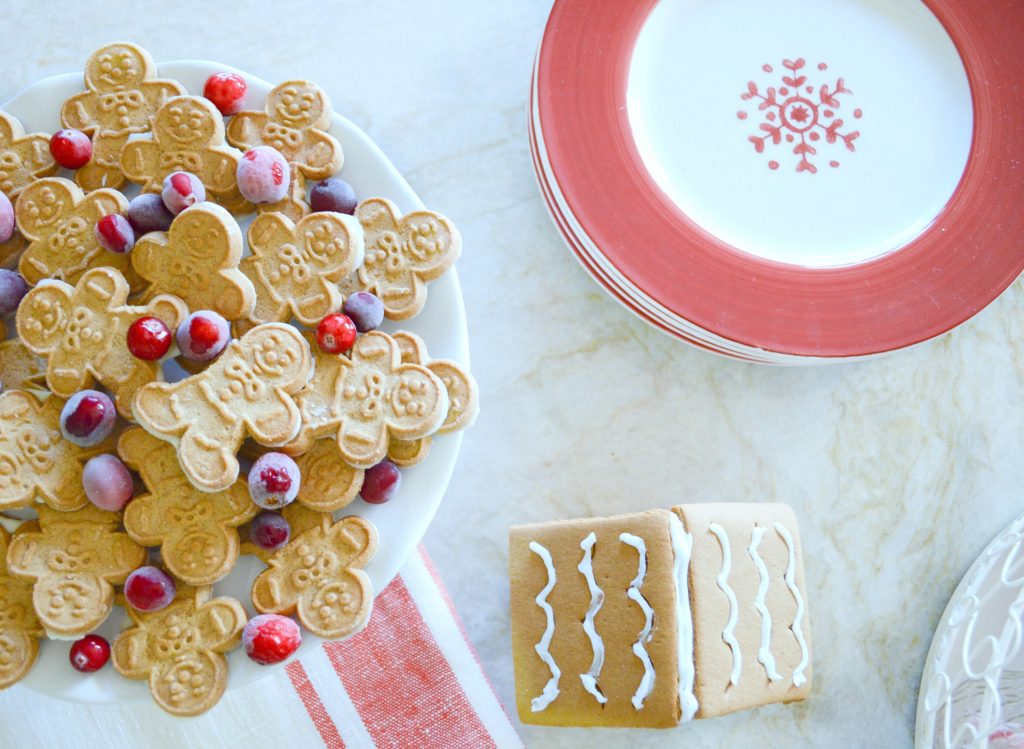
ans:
(968, 256)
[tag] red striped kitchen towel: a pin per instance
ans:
(410, 679)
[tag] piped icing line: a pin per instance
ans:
(639, 647)
(586, 566)
(764, 653)
(729, 633)
(790, 578)
(543, 647)
(682, 548)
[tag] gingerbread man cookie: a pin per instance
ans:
(23, 158)
(247, 390)
(368, 399)
(197, 260)
(180, 649)
(74, 560)
(196, 531)
(295, 121)
(36, 463)
(122, 95)
(20, 630)
(188, 135)
(403, 254)
(319, 576)
(83, 330)
(296, 267)
(59, 222)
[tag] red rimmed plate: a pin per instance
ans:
(814, 179)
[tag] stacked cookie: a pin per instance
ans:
(123, 487)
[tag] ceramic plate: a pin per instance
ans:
(404, 520)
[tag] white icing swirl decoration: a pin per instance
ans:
(790, 578)
(764, 653)
(586, 566)
(551, 688)
(682, 547)
(639, 647)
(729, 633)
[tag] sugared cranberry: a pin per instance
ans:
(336, 333)
(149, 338)
(263, 175)
(90, 654)
(365, 309)
(88, 418)
(274, 481)
(6, 218)
(72, 149)
(182, 190)
(380, 483)
(333, 194)
(107, 482)
(269, 531)
(203, 335)
(270, 638)
(12, 289)
(226, 91)
(114, 232)
(147, 212)
(149, 589)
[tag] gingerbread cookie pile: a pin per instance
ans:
(121, 484)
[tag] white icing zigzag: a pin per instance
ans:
(639, 649)
(729, 633)
(682, 546)
(586, 566)
(790, 578)
(764, 654)
(551, 688)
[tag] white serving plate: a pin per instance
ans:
(404, 520)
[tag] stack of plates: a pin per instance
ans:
(787, 182)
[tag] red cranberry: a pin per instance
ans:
(380, 483)
(269, 531)
(114, 232)
(270, 638)
(149, 338)
(336, 333)
(72, 149)
(90, 654)
(149, 589)
(226, 91)
(88, 418)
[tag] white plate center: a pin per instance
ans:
(813, 132)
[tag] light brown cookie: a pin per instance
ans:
(319, 577)
(197, 260)
(463, 398)
(122, 95)
(59, 222)
(403, 254)
(20, 630)
(188, 135)
(248, 389)
(179, 649)
(74, 561)
(36, 463)
(20, 369)
(368, 399)
(296, 267)
(23, 158)
(196, 531)
(300, 519)
(295, 121)
(82, 330)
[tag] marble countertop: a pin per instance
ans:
(900, 469)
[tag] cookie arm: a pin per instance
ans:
(244, 128)
(139, 161)
(79, 112)
(321, 155)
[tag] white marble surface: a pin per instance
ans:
(900, 469)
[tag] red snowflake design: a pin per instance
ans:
(800, 113)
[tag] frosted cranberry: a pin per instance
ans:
(203, 335)
(88, 418)
(182, 190)
(226, 91)
(12, 289)
(107, 482)
(149, 338)
(6, 218)
(114, 232)
(380, 483)
(333, 194)
(366, 310)
(336, 333)
(274, 481)
(147, 212)
(271, 638)
(263, 175)
(149, 589)
(72, 149)
(269, 531)
(89, 654)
